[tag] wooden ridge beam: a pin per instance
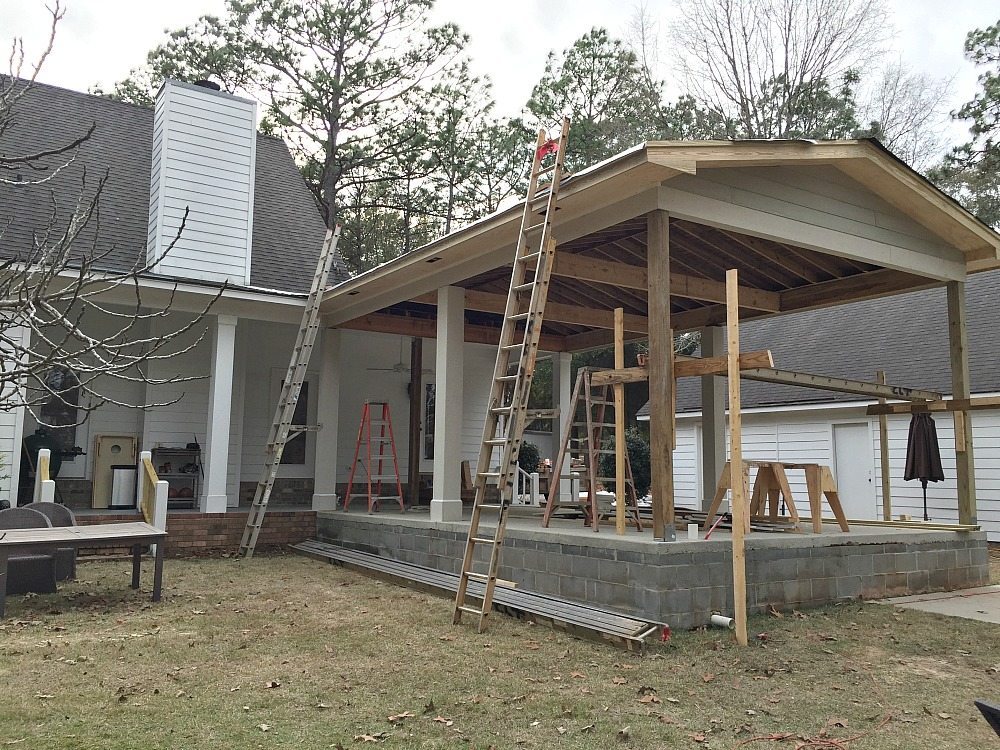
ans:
(684, 367)
(957, 404)
(840, 385)
(427, 329)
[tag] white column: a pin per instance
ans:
(562, 392)
(220, 395)
(327, 415)
(713, 416)
(12, 422)
(446, 500)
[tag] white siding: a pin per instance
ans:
(204, 150)
(818, 198)
(264, 353)
(369, 371)
(179, 423)
(807, 436)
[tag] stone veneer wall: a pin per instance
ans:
(193, 533)
(682, 583)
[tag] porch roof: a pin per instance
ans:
(807, 224)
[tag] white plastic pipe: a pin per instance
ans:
(721, 621)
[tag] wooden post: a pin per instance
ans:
(739, 487)
(883, 442)
(416, 386)
(661, 373)
(960, 388)
(619, 391)
(713, 416)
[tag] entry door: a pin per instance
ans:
(109, 450)
(854, 469)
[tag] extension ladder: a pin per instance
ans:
(584, 451)
(282, 429)
(515, 367)
(374, 464)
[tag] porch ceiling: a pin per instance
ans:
(813, 244)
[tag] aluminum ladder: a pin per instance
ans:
(282, 429)
(517, 354)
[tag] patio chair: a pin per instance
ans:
(28, 571)
(59, 515)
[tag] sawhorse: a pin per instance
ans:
(771, 485)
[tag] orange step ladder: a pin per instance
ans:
(375, 433)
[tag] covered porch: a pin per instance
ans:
(654, 231)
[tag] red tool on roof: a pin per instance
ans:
(550, 146)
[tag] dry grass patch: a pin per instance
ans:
(286, 652)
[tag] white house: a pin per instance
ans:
(808, 225)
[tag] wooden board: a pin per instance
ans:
(976, 403)
(741, 516)
(685, 367)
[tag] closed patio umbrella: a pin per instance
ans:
(923, 457)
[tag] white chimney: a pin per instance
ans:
(204, 150)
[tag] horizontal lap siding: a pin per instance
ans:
(203, 162)
(816, 198)
(807, 437)
(907, 497)
(367, 372)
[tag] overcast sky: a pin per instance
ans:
(100, 40)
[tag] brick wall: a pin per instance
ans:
(193, 533)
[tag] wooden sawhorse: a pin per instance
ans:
(771, 484)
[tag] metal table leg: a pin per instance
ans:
(158, 569)
(136, 564)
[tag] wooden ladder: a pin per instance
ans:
(282, 429)
(374, 464)
(584, 451)
(517, 353)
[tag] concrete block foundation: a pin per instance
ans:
(683, 583)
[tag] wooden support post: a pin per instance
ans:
(883, 442)
(739, 488)
(416, 386)
(619, 391)
(713, 414)
(661, 376)
(960, 389)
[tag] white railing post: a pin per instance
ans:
(534, 489)
(48, 491)
(42, 476)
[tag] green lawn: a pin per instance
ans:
(286, 652)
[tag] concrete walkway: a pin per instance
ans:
(973, 604)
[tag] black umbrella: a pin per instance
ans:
(923, 458)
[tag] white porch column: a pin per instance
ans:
(12, 421)
(562, 392)
(446, 501)
(220, 401)
(713, 416)
(327, 415)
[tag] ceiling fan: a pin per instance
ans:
(400, 367)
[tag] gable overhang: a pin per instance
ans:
(915, 237)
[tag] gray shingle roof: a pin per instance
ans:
(906, 335)
(287, 231)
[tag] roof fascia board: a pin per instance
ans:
(194, 298)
